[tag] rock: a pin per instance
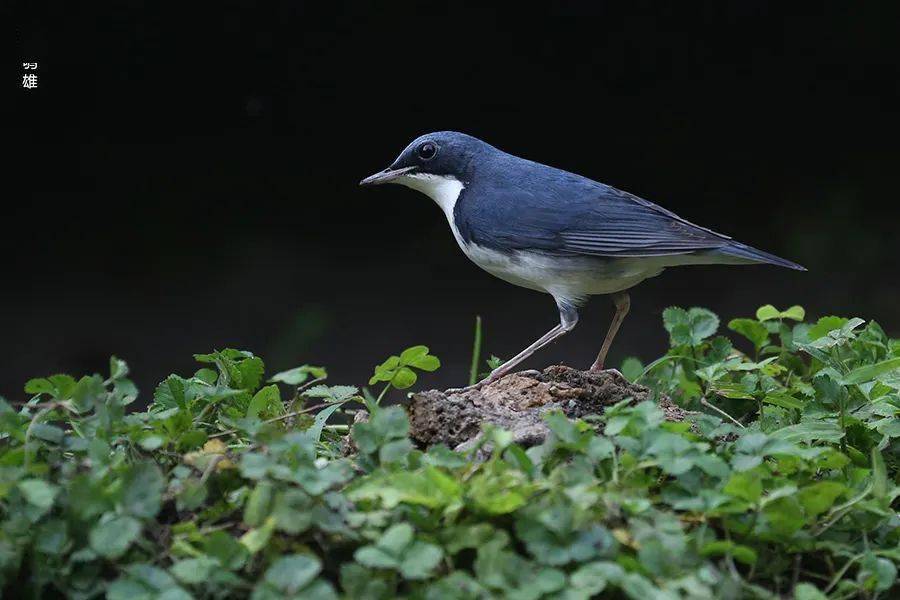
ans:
(517, 403)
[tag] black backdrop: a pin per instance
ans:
(188, 174)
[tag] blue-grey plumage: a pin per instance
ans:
(557, 232)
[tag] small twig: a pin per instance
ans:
(838, 512)
(309, 384)
(707, 404)
(840, 574)
(795, 577)
(281, 418)
(214, 528)
(298, 391)
(729, 561)
(31, 404)
(211, 467)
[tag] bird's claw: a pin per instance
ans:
(475, 386)
(615, 372)
(468, 388)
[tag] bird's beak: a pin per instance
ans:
(386, 176)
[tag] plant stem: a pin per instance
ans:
(707, 404)
(476, 352)
(281, 418)
(837, 576)
(381, 395)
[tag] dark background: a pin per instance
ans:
(188, 173)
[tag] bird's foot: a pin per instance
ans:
(494, 376)
(600, 369)
(469, 388)
(460, 390)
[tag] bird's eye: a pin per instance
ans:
(427, 151)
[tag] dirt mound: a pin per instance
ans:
(518, 402)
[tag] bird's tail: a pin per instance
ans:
(752, 255)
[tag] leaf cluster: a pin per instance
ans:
(783, 483)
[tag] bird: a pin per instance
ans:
(553, 231)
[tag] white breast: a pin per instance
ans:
(444, 190)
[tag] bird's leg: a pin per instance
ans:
(568, 318)
(623, 302)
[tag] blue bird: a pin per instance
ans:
(556, 232)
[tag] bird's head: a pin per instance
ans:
(433, 161)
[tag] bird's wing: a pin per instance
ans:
(588, 219)
(625, 225)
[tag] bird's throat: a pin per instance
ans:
(443, 189)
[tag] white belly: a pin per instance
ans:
(571, 278)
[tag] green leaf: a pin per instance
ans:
(193, 495)
(170, 393)
(113, 535)
(418, 357)
(632, 369)
(783, 400)
(807, 591)
(394, 451)
(753, 330)
(824, 325)
(258, 504)
(38, 492)
(740, 553)
(592, 578)
(321, 418)
(251, 370)
(689, 327)
(385, 371)
(819, 497)
(48, 433)
(396, 539)
(194, 571)
(334, 393)
(397, 369)
(230, 553)
(784, 515)
(877, 573)
(795, 313)
(879, 475)
(866, 373)
(410, 355)
(151, 442)
(58, 386)
(39, 386)
(298, 375)
(403, 378)
(256, 539)
(266, 402)
(143, 486)
(704, 323)
(118, 368)
(420, 559)
(375, 557)
(289, 574)
(810, 431)
(746, 485)
(767, 312)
